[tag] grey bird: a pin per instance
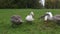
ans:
(16, 20)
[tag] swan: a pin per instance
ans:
(16, 19)
(30, 17)
(48, 16)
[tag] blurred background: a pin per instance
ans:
(34, 4)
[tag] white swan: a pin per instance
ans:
(48, 16)
(30, 17)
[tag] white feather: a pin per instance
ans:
(45, 18)
(29, 18)
(49, 14)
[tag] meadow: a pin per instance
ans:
(37, 27)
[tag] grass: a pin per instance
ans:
(37, 27)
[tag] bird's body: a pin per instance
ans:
(16, 19)
(29, 18)
(49, 16)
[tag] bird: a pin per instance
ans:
(16, 20)
(48, 16)
(29, 17)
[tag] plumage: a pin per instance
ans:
(30, 17)
(49, 16)
(16, 19)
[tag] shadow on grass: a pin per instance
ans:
(49, 25)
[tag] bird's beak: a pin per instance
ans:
(41, 17)
(21, 21)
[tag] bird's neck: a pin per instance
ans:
(51, 15)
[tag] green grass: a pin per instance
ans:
(37, 27)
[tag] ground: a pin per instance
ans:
(37, 26)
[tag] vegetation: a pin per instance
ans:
(28, 4)
(52, 4)
(19, 4)
(37, 27)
